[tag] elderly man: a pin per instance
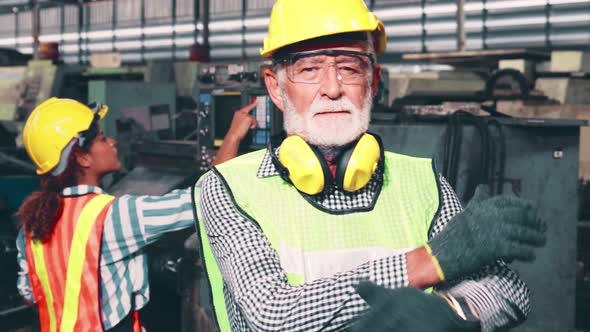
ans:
(330, 232)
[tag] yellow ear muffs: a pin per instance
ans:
(306, 167)
(357, 164)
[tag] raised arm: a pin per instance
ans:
(241, 122)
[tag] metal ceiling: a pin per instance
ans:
(7, 6)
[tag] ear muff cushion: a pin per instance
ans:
(307, 169)
(359, 163)
(343, 159)
(283, 172)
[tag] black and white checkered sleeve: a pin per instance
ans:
(259, 296)
(449, 207)
(498, 294)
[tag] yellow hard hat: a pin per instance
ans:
(52, 125)
(292, 21)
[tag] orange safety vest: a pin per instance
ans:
(64, 271)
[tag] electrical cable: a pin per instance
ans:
(492, 152)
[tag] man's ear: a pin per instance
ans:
(376, 79)
(272, 86)
(83, 159)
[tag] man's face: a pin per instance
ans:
(332, 106)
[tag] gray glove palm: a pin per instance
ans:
(408, 310)
(488, 229)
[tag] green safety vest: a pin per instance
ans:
(312, 243)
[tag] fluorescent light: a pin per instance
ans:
(161, 30)
(184, 41)
(440, 9)
(26, 50)
(128, 32)
(7, 41)
(256, 22)
(474, 7)
(157, 43)
(571, 37)
(126, 45)
(23, 40)
(441, 27)
(71, 48)
(402, 29)
(130, 57)
(393, 13)
(226, 25)
(70, 36)
(473, 24)
(515, 4)
(255, 37)
(560, 2)
(184, 27)
(528, 40)
(584, 18)
(100, 46)
(254, 52)
(70, 59)
(516, 22)
(231, 38)
(99, 34)
(405, 46)
(157, 55)
(50, 38)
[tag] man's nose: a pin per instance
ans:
(331, 85)
(112, 141)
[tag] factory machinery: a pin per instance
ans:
(170, 118)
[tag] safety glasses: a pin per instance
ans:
(86, 136)
(310, 67)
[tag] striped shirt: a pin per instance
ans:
(132, 222)
(259, 298)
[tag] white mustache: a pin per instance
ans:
(329, 105)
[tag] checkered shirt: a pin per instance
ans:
(259, 298)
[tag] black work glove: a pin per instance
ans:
(408, 310)
(489, 229)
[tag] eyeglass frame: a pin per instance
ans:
(290, 58)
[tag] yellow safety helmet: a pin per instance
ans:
(292, 21)
(51, 127)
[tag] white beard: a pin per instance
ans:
(328, 130)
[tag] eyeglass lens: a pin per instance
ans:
(351, 69)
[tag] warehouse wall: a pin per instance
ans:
(146, 29)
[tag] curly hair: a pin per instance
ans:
(41, 210)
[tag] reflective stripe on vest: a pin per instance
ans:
(214, 275)
(313, 244)
(89, 220)
(41, 270)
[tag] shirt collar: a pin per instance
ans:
(267, 168)
(80, 190)
(333, 200)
